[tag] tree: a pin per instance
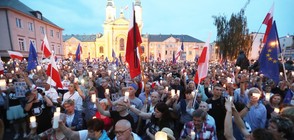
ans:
(232, 35)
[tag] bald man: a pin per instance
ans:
(123, 131)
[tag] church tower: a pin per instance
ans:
(110, 11)
(138, 10)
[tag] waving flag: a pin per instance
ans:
(15, 55)
(78, 53)
(268, 21)
(268, 59)
(33, 58)
(133, 41)
(52, 71)
(113, 54)
(180, 51)
(203, 60)
(174, 61)
(45, 47)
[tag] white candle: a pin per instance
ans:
(3, 84)
(126, 96)
(93, 98)
(281, 73)
(82, 81)
(231, 98)
(76, 80)
(193, 135)
(229, 79)
(56, 117)
(166, 89)
(90, 74)
(193, 93)
(277, 110)
(12, 72)
(16, 69)
(58, 109)
(33, 121)
(267, 96)
(238, 67)
(114, 77)
(178, 92)
(109, 72)
(160, 82)
(10, 80)
(107, 91)
(257, 95)
(173, 93)
(160, 135)
(39, 68)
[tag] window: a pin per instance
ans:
(53, 49)
(21, 44)
(58, 50)
(190, 52)
(165, 52)
(143, 49)
(42, 30)
(18, 23)
(52, 33)
(121, 44)
(101, 49)
(31, 27)
(57, 34)
(39, 16)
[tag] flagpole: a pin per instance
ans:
(51, 71)
(255, 36)
(284, 69)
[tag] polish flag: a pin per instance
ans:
(52, 71)
(203, 61)
(45, 47)
(268, 21)
(1, 67)
(15, 55)
(179, 51)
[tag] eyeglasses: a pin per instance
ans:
(119, 133)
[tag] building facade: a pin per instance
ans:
(20, 25)
(114, 37)
(287, 46)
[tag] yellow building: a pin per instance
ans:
(115, 36)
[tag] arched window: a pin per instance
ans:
(121, 44)
(101, 49)
(143, 49)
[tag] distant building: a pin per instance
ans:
(256, 45)
(20, 24)
(115, 37)
(287, 46)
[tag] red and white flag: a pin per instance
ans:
(133, 45)
(268, 21)
(52, 71)
(203, 61)
(45, 47)
(1, 67)
(15, 55)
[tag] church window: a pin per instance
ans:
(101, 49)
(121, 44)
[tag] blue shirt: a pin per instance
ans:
(256, 117)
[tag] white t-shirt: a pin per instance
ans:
(52, 94)
(76, 97)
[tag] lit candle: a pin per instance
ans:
(238, 67)
(178, 92)
(193, 93)
(90, 74)
(12, 72)
(39, 68)
(173, 93)
(257, 95)
(33, 121)
(229, 79)
(76, 80)
(193, 135)
(160, 82)
(10, 80)
(231, 98)
(166, 89)
(109, 72)
(107, 91)
(281, 73)
(267, 96)
(114, 77)
(93, 98)
(277, 110)
(126, 96)
(292, 73)
(58, 109)
(70, 74)
(160, 135)
(56, 117)
(82, 82)
(16, 69)
(3, 84)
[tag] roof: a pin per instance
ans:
(82, 38)
(19, 6)
(184, 38)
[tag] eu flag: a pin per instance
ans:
(268, 59)
(32, 60)
(78, 53)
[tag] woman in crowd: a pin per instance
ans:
(283, 127)
(107, 120)
(274, 102)
(74, 118)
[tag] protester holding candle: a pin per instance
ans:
(77, 96)
(74, 118)
(274, 102)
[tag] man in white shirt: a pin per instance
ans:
(123, 131)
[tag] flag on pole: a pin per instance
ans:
(15, 55)
(52, 71)
(113, 54)
(45, 47)
(33, 58)
(174, 61)
(180, 51)
(1, 67)
(133, 41)
(203, 61)
(78, 53)
(268, 59)
(268, 21)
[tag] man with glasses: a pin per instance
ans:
(123, 131)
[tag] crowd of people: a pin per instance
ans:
(99, 100)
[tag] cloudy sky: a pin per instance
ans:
(191, 17)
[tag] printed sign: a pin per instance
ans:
(20, 89)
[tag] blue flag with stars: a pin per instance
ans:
(268, 58)
(32, 59)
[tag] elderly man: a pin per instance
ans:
(209, 119)
(123, 131)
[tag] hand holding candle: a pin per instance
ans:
(126, 96)
(33, 121)
(56, 117)
(193, 135)
(93, 98)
